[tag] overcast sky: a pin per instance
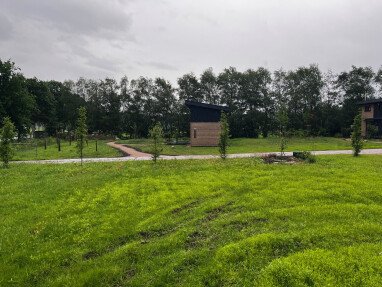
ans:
(66, 39)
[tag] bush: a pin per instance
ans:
(356, 137)
(224, 136)
(306, 156)
(7, 134)
(156, 136)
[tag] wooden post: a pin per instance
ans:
(45, 143)
(59, 143)
(96, 145)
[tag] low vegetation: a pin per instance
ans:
(250, 145)
(356, 136)
(193, 223)
(156, 137)
(35, 150)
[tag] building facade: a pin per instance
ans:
(371, 117)
(204, 123)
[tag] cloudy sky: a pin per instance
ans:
(66, 39)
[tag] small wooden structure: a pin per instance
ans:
(204, 123)
(371, 115)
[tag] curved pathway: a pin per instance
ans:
(128, 151)
(140, 156)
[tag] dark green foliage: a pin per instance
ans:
(15, 101)
(305, 156)
(7, 133)
(356, 137)
(372, 131)
(156, 136)
(224, 136)
(81, 132)
(316, 104)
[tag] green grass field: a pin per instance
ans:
(29, 152)
(250, 145)
(193, 223)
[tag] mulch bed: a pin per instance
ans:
(274, 158)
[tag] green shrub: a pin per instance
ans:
(356, 136)
(306, 156)
(156, 136)
(224, 136)
(7, 134)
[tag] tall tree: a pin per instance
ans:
(15, 101)
(256, 101)
(164, 100)
(209, 87)
(304, 96)
(44, 112)
(111, 106)
(355, 86)
(189, 88)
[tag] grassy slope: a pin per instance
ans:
(193, 223)
(67, 151)
(249, 145)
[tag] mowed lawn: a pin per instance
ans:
(193, 223)
(68, 150)
(251, 145)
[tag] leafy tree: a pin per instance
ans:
(189, 88)
(15, 101)
(156, 135)
(356, 137)
(355, 86)
(378, 80)
(209, 87)
(81, 131)
(303, 88)
(67, 104)
(255, 100)
(7, 135)
(44, 112)
(224, 136)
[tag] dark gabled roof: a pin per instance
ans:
(371, 101)
(189, 103)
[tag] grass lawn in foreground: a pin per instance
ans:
(193, 223)
(251, 145)
(29, 152)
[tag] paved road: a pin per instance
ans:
(186, 157)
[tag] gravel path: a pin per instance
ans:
(186, 157)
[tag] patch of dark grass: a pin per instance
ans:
(195, 239)
(185, 207)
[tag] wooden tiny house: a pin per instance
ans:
(371, 115)
(204, 123)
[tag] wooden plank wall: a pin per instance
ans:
(204, 134)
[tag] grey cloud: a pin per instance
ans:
(161, 66)
(93, 38)
(76, 17)
(6, 28)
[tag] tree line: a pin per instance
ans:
(314, 103)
